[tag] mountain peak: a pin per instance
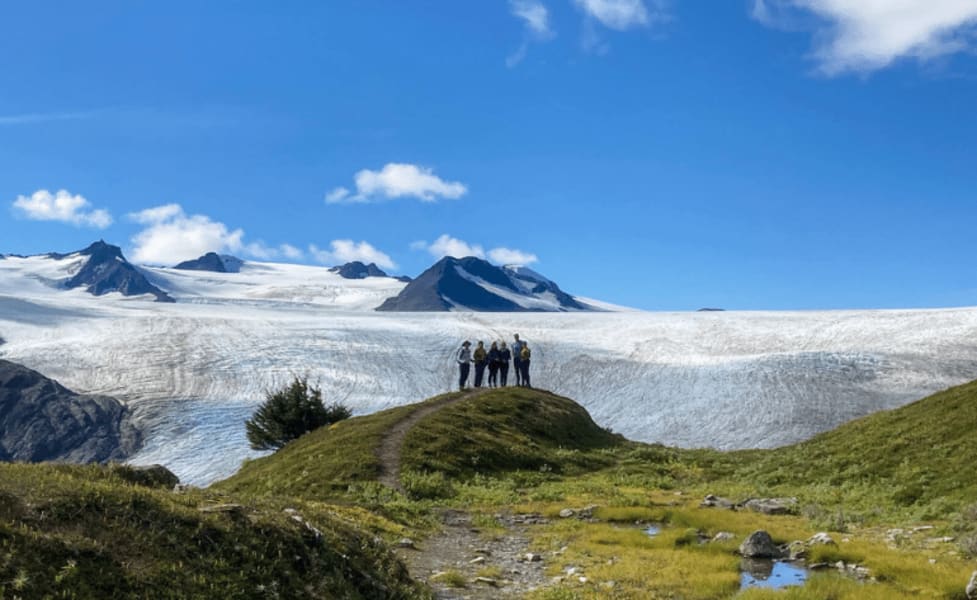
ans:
(357, 270)
(107, 270)
(208, 262)
(472, 283)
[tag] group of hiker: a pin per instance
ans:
(496, 360)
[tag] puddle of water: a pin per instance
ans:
(652, 530)
(771, 574)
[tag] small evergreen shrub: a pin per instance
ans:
(290, 413)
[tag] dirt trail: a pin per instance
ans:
(393, 440)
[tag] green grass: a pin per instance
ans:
(322, 463)
(85, 532)
(510, 429)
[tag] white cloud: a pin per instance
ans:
(451, 246)
(534, 14)
(397, 180)
(172, 236)
(509, 256)
(867, 35)
(619, 14)
(344, 251)
(61, 206)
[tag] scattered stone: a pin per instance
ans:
(532, 557)
(711, 501)
(566, 513)
(487, 581)
(483, 551)
(406, 543)
(571, 571)
(582, 579)
(477, 560)
(182, 488)
(940, 540)
(821, 539)
(759, 544)
(972, 587)
(923, 528)
(724, 536)
(587, 512)
(771, 506)
(797, 550)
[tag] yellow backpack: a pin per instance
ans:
(525, 354)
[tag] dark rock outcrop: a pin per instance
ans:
(358, 270)
(151, 476)
(474, 284)
(108, 271)
(208, 262)
(40, 420)
(759, 544)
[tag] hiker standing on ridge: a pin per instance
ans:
(504, 357)
(524, 356)
(494, 361)
(517, 358)
(480, 358)
(464, 364)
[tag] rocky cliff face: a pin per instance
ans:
(40, 420)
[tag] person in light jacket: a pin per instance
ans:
(464, 364)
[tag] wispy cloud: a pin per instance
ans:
(172, 236)
(536, 20)
(622, 14)
(33, 118)
(61, 206)
(867, 36)
(447, 245)
(344, 251)
(397, 180)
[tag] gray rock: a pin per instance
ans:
(771, 506)
(40, 420)
(759, 544)
(821, 539)
(406, 543)
(797, 550)
(566, 513)
(724, 536)
(711, 501)
(972, 587)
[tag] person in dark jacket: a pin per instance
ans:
(480, 358)
(493, 365)
(504, 357)
(524, 356)
(464, 358)
(517, 358)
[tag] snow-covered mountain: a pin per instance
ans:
(357, 270)
(194, 370)
(473, 284)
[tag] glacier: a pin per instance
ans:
(193, 371)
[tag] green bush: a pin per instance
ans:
(290, 413)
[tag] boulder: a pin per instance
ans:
(821, 539)
(151, 476)
(759, 544)
(724, 536)
(771, 506)
(972, 587)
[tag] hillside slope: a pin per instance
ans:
(914, 455)
(85, 532)
(494, 432)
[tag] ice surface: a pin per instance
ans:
(194, 370)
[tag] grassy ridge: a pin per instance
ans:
(915, 459)
(508, 430)
(322, 463)
(83, 532)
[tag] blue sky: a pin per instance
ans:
(663, 154)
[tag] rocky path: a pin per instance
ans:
(462, 562)
(393, 441)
